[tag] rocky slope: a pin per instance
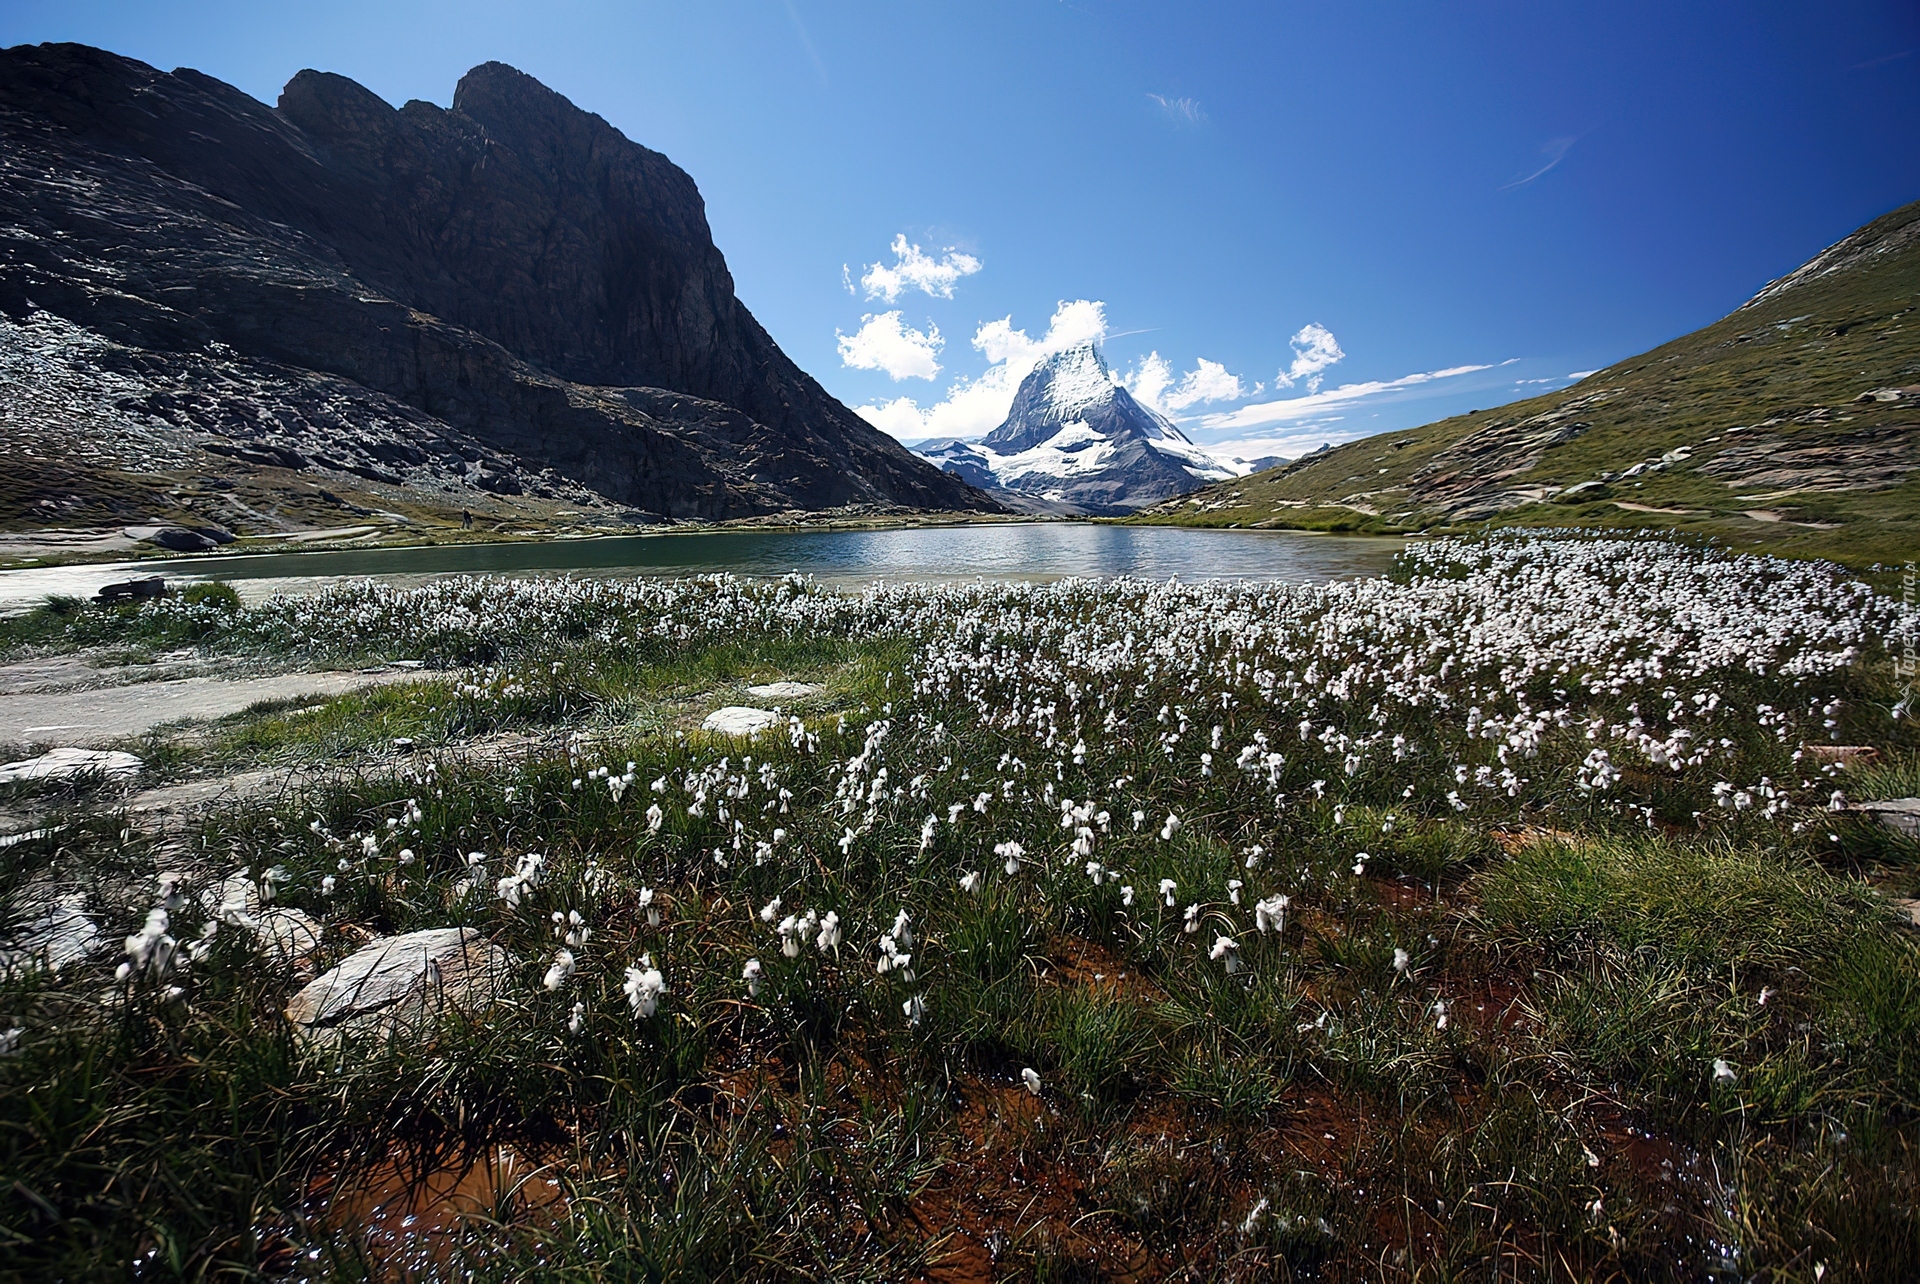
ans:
(1076, 442)
(1792, 423)
(507, 298)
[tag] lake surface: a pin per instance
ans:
(1021, 551)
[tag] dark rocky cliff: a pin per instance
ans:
(510, 289)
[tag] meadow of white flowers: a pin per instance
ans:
(1248, 803)
(1087, 738)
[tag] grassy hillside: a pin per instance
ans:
(1762, 430)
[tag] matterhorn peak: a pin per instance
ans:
(1076, 441)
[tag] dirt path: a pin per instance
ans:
(89, 716)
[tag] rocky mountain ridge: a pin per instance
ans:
(1792, 423)
(503, 298)
(1076, 442)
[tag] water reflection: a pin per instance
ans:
(1025, 551)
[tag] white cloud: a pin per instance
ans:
(1314, 349)
(1582, 374)
(974, 407)
(1316, 404)
(914, 270)
(1183, 111)
(1152, 384)
(884, 342)
(1207, 381)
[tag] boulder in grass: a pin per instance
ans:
(1899, 814)
(785, 691)
(740, 720)
(51, 936)
(175, 539)
(131, 591)
(71, 764)
(403, 985)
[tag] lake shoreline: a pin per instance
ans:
(848, 556)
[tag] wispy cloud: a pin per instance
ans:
(887, 343)
(1181, 111)
(1291, 444)
(1554, 150)
(913, 269)
(1881, 61)
(806, 43)
(1319, 404)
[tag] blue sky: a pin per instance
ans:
(1454, 198)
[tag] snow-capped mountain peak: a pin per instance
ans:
(1075, 441)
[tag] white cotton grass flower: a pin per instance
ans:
(150, 949)
(1031, 1078)
(1192, 919)
(577, 1019)
(561, 972)
(1359, 864)
(1126, 894)
(327, 885)
(1167, 888)
(829, 938)
(644, 986)
(1439, 1014)
(751, 974)
(1724, 1075)
(1172, 827)
(525, 877)
(770, 911)
(643, 899)
(1233, 890)
(1270, 915)
(1401, 960)
(1227, 949)
(970, 882)
(915, 1008)
(1012, 851)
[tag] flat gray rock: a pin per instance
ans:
(289, 934)
(90, 716)
(740, 720)
(402, 985)
(785, 691)
(68, 764)
(51, 936)
(1902, 814)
